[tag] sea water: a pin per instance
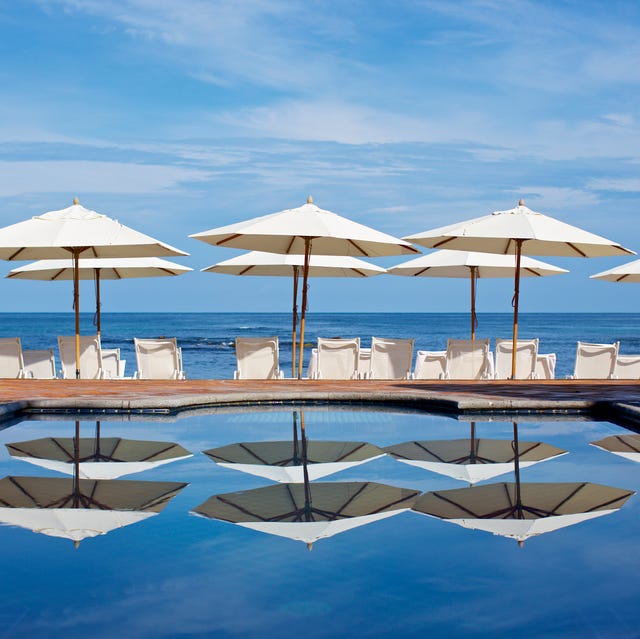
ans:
(207, 339)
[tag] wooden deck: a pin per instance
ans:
(454, 396)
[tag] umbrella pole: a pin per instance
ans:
(516, 467)
(76, 467)
(474, 322)
(305, 276)
(76, 305)
(98, 304)
(294, 338)
(515, 302)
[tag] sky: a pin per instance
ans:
(178, 117)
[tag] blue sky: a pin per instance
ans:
(176, 117)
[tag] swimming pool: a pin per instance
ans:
(177, 574)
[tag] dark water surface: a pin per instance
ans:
(179, 575)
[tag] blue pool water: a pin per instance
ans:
(207, 339)
(179, 575)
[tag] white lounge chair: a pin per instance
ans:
(526, 357)
(337, 358)
(11, 360)
(257, 358)
(158, 359)
(112, 364)
(595, 361)
(430, 365)
(364, 362)
(90, 357)
(390, 358)
(40, 364)
(546, 366)
(627, 367)
(468, 359)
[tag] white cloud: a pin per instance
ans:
(75, 177)
(625, 185)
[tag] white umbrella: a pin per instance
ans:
(472, 265)
(294, 461)
(472, 460)
(260, 263)
(627, 446)
(629, 272)
(75, 509)
(519, 231)
(303, 231)
(110, 268)
(308, 512)
(77, 232)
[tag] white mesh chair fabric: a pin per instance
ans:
(526, 356)
(627, 367)
(313, 364)
(467, 359)
(40, 364)
(430, 365)
(595, 361)
(90, 357)
(337, 358)
(158, 358)
(257, 358)
(11, 361)
(546, 366)
(364, 360)
(390, 358)
(112, 364)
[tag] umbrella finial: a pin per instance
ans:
(76, 201)
(76, 543)
(309, 546)
(521, 202)
(520, 543)
(309, 200)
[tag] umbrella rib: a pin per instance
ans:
(227, 239)
(569, 496)
(156, 453)
(350, 500)
(245, 270)
(426, 450)
(443, 242)
(358, 248)
(390, 504)
(58, 274)
(351, 452)
(243, 510)
(253, 454)
(624, 442)
(457, 505)
(532, 271)
(24, 491)
(576, 249)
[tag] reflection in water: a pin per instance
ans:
(522, 510)
(308, 512)
(627, 446)
(98, 457)
(80, 508)
(471, 460)
(284, 461)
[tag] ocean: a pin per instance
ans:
(207, 339)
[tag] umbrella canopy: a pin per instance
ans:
(303, 231)
(629, 272)
(309, 513)
(110, 268)
(471, 460)
(519, 231)
(75, 232)
(473, 266)
(77, 509)
(522, 510)
(286, 265)
(627, 446)
(98, 457)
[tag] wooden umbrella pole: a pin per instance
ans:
(76, 467)
(303, 312)
(516, 301)
(474, 275)
(294, 338)
(98, 301)
(76, 305)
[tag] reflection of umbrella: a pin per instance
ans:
(98, 269)
(309, 513)
(98, 457)
(627, 446)
(77, 231)
(471, 460)
(283, 265)
(519, 231)
(629, 272)
(303, 231)
(285, 461)
(522, 510)
(76, 509)
(472, 265)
